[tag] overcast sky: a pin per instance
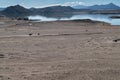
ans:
(42, 3)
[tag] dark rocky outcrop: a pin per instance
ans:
(115, 17)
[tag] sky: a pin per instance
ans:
(44, 3)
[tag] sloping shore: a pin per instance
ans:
(59, 50)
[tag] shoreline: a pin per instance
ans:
(75, 20)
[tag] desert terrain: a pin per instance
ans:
(59, 50)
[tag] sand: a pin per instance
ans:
(60, 50)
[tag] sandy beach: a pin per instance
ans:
(59, 50)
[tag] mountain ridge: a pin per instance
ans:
(109, 6)
(15, 11)
(18, 10)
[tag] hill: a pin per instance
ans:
(109, 6)
(52, 9)
(1, 9)
(16, 10)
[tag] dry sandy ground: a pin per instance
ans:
(67, 50)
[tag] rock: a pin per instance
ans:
(116, 40)
(2, 55)
(115, 17)
(22, 19)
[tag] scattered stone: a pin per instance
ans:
(38, 34)
(2, 56)
(4, 78)
(30, 34)
(116, 40)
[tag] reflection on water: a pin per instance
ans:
(98, 17)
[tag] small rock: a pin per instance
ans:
(38, 34)
(116, 40)
(2, 56)
(30, 34)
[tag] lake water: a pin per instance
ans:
(97, 17)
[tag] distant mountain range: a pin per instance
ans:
(109, 6)
(1, 9)
(54, 11)
(15, 11)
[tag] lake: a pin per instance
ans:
(97, 17)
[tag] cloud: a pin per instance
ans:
(73, 3)
(49, 5)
